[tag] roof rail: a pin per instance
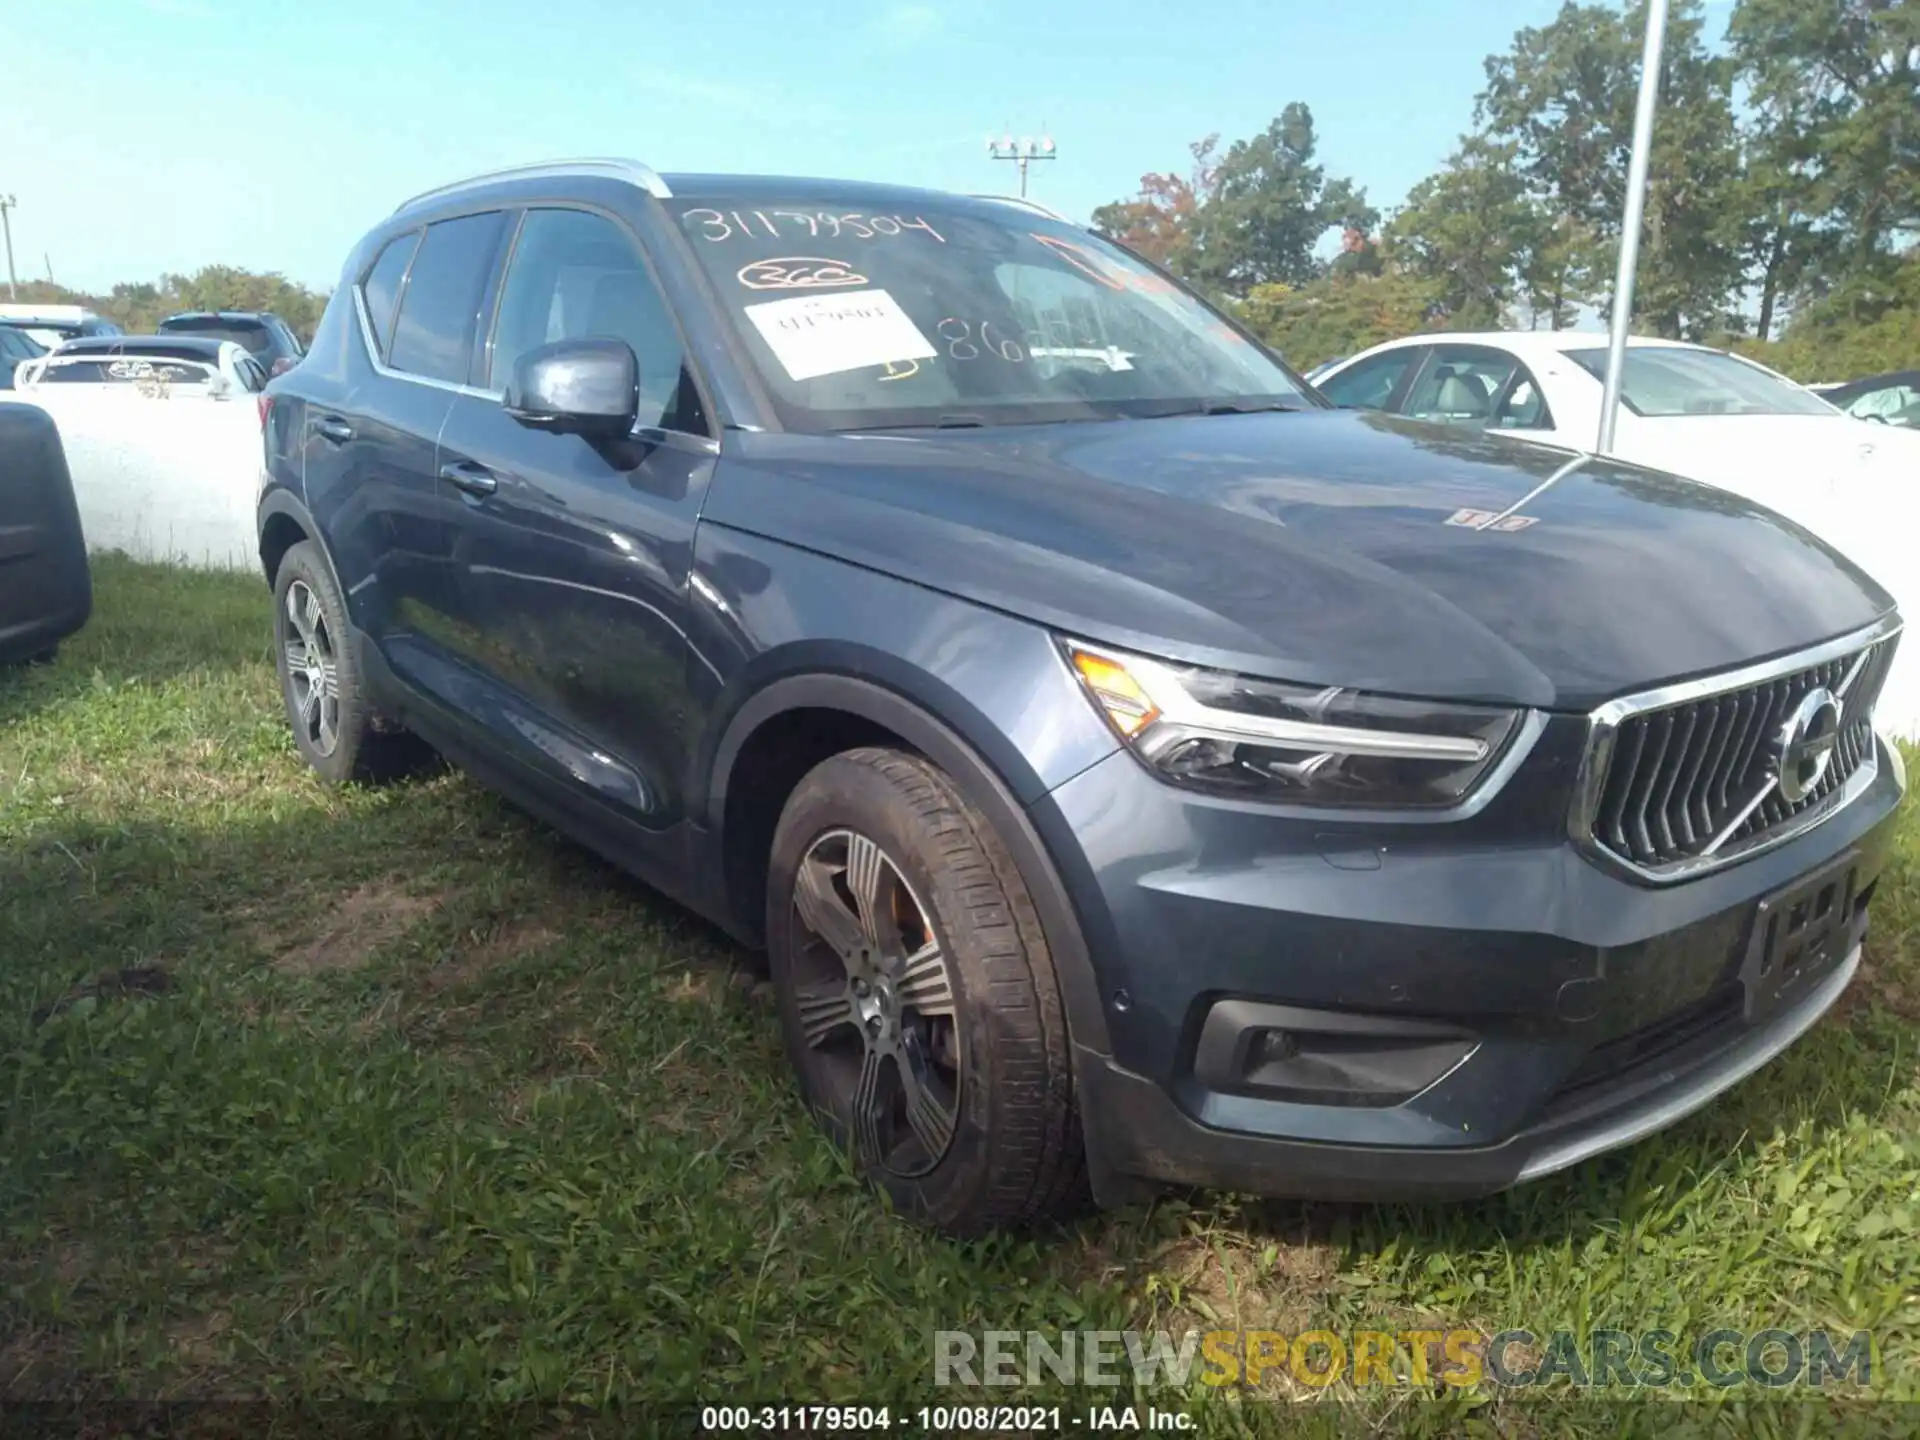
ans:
(642, 175)
(1023, 201)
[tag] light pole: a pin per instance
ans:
(7, 203)
(1622, 316)
(1022, 152)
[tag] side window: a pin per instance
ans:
(1461, 386)
(1370, 384)
(433, 333)
(381, 288)
(579, 276)
(1525, 407)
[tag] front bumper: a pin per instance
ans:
(1590, 1010)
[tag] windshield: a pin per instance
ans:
(987, 315)
(252, 335)
(1659, 382)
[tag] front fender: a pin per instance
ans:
(982, 785)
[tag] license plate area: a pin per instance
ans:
(1799, 934)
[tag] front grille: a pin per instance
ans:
(1680, 780)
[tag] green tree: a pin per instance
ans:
(1470, 231)
(1337, 315)
(1769, 222)
(1158, 222)
(1562, 98)
(1835, 94)
(139, 306)
(1868, 324)
(1270, 206)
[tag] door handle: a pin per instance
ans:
(470, 477)
(332, 427)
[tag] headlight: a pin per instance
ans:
(1264, 739)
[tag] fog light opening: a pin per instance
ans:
(1283, 1052)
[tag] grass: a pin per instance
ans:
(393, 1095)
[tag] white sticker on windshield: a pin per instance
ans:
(815, 335)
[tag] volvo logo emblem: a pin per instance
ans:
(1804, 747)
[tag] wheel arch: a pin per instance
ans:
(285, 522)
(874, 712)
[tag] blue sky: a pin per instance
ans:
(149, 135)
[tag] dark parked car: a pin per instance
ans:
(1136, 770)
(265, 336)
(1890, 399)
(46, 590)
(15, 346)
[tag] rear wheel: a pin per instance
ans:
(334, 726)
(918, 997)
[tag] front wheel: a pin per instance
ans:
(918, 998)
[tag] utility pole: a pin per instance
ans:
(1022, 152)
(7, 204)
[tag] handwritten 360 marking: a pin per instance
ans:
(798, 272)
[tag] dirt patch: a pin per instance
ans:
(505, 944)
(35, 1362)
(348, 931)
(690, 987)
(1229, 1284)
(1879, 983)
(196, 1338)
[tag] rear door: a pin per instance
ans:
(575, 554)
(371, 477)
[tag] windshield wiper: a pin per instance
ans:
(1241, 407)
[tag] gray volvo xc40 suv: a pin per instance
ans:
(1137, 771)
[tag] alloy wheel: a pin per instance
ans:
(313, 670)
(876, 1001)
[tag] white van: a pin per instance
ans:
(53, 325)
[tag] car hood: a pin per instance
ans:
(1327, 547)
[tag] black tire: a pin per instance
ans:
(1014, 1156)
(364, 746)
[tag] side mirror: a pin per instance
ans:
(282, 365)
(576, 387)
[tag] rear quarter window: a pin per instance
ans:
(381, 287)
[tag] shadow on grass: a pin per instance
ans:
(150, 625)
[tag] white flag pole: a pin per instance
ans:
(1622, 315)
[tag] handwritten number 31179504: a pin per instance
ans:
(718, 225)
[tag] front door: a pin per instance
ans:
(574, 554)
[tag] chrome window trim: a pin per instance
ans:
(611, 167)
(1604, 723)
